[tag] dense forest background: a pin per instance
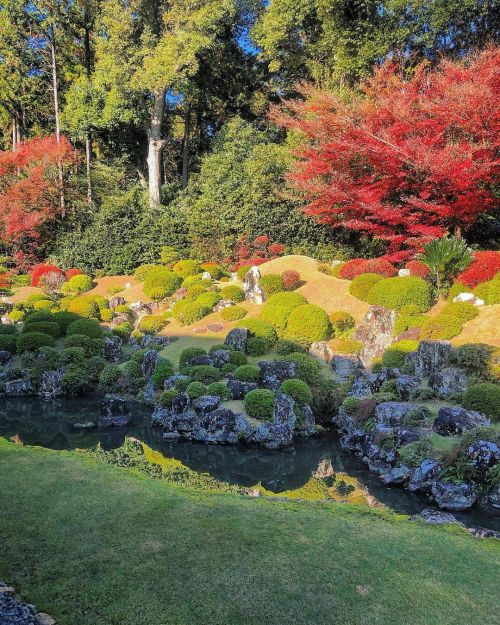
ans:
(167, 105)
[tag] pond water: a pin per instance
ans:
(50, 424)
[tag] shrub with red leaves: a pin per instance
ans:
(4, 280)
(254, 252)
(276, 249)
(379, 266)
(291, 279)
(39, 270)
(262, 240)
(72, 272)
(484, 267)
(418, 268)
(351, 268)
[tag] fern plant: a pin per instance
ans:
(446, 258)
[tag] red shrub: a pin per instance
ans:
(418, 268)
(39, 270)
(379, 266)
(291, 279)
(4, 280)
(276, 249)
(483, 268)
(262, 240)
(352, 268)
(72, 272)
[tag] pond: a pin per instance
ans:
(50, 424)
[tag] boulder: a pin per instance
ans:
(179, 295)
(140, 309)
(275, 372)
(206, 275)
(454, 496)
(436, 517)
(397, 413)
(119, 318)
(452, 420)
(397, 475)
(222, 426)
(253, 292)
(375, 332)
(51, 384)
(112, 348)
(345, 366)
(172, 381)
(431, 357)
(239, 389)
(361, 386)
(404, 272)
(203, 359)
(422, 479)
(405, 385)
(180, 423)
(84, 425)
(149, 363)
(237, 339)
(149, 340)
(306, 424)
(449, 381)
(116, 301)
(470, 298)
(483, 455)
(215, 327)
(224, 303)
(114, 411)
(278, 432)
(379, 443)
(19, 387)
(206, 403)
(5, 357)
(181, 403)
(221, 357)
(494, 497)
(321, 351)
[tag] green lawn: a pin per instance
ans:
(96, 544)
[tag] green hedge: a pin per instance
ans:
(161, 283)
(45, 327)
(247, 373)
(308, 368)
(259, 328)
(485, 398)
(298, 390)
(271, 284)
(308, 324)
(342, 324)
(259, 404)
(32, 341)
(80, 283)
(233, 313)
(8, 343)
(86, 327)
(400, 291)
(441, 327)
(233, 292)
(362, 285)
(277, 309)
(187, 312)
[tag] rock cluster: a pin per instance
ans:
(13, 611)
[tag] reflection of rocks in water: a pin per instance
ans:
(324, 469)
(113, 438)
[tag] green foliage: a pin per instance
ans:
(109, 377)
(457, 288)
(242, 271)
(247, 373)
(351, 404)
(489, 291)
(163, 370)
(442, 327)
(218, 389)
(413, 454)
(484, 397)
(399, 291)
(271, 284)
(160, 283)
(80, 283)
(257, 346)
(348, 346)
(33, 341)
(205, 373)
(395, 355)
(16, 315)
(91, 346)
(186, 268)
(142, 271)
(478, 359)
(284, 347)
(43, 304)
(405, 322)
(8, 343)
(105, 314)
(167, 397)
(123, 330)
(45, 327)
(187, 312)
(233, 313)
(362, 285)
(308, 324)
(84, 306)
(298, 390)
(208, 299)
(39, 315)
(233, 292)
(342, 324)
(85, 326)
(463, 311)
(8, 329)
(187, 356)
(277, 309)
(308, 368)
(261, 329)
(196, 389)
(446, 258)
(73, 355)
(259, 404)
(151, 324)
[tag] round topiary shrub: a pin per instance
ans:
(463, 311)
(259, 404)
(167, 397)
(308, 324)
(218, 389)
(188, 312)
(45, 327)
(109, 377)
(151, 324)
(405, 322)
(238, 358)
(163, 370)
(308, 368)
(84, 306)
(362, 285)
(478, 359)
(233, 313)
(73, 355)
(39, 315)
(242, 271)
(43, 304)
(91, 346)
(257, 346)
(8, 343)
(233, 292)
(284, 347)
(142, 271)
(261, 329)
(160, 283)
(351, 404)
(247, 373)
(348, 346)
(395, 355)
(441, 327)
(350, 269)
(16, 315)
(342, 324)
(278, 308)
(105, 314)
(205, 373)
(123, 330)
(400, 291)
(271, 284)
(208, 299)
(192, 292)
(298, 390)
(32, 341)
(485, 398)
(187, 355)
(196, 389)
(291, 279)
(186, 268)
(80, 284)
(86, 327)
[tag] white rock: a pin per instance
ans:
(206, 276)
(404, 272)
(469, 297)
(128, 285)
(336, 262)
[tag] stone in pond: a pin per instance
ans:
(454, 496)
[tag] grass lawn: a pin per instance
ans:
(96, 544)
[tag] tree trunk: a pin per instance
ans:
(62, 199)
(88, 72)
(88, 162)
(185, 147)
(155, 147)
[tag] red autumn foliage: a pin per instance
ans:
(357, 266)
(4, 280)
(351, 268)
(30, 189)
(261, 240)
(276, 249)
(40, 270)
(484, 267)
(418, 268)
(291, 279)
(254, 252)
(407, 160)
(72, 272)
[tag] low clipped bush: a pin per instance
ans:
(163, 370)
(32, 341)
(247, 373)
(342, 324)
(216, 271)
(196, 280)
(86, 327)
(43, 304)
(105, 314)
(39, 315)
(7, 329)
(484, 267)
(456, 289)
(167, 397)
(261, 329)
(151, 324)
(160, 283)
(395, 355)
(238, 358)
(133, 374)
(405, 322)
(233, 292)
(350, 269)
(192, 292)
(205, 373)
(123, 330)
(186, 268)
(284, 347)
(308, 368)
(489, 291)
(142, 271)
(84, 306)
(362, 285)
(91, 346)
(298, 390)
(400, 291)
(242, 271)
(351, 404)
(308, 324)
(259, 404)
(233, 313)
(271, 284)
(80, 283)
(45, 327)
(123, 309)
(441, 327)
(485, 398)
(109, 377)
(478, 359)
(187, 355)
(348, 346)
(257, 346)
(8, 343)
(463, 311)
(291, 279)
(277, 309)
(73, 355)
(418, 268)
(218, 389)
(196, 389)
(208, 299)
(188, 312)
(16, 315)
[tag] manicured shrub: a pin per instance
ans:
(410, 310)
(298, 390)
(163, 370)
(483, 268)
(242, 271)
(215, 270)
(208, 299)
(196, 389)
(70, 273)
(247, 373)
(40, 270)
(456, 289)
(485, 398)
(238, 358)
(195, 290)
(362, 285)
(75, 382)
(326, 269)
(351, 268)
(308, 368)
(233, 293)
(395, 355)
(123, 330)
(205, 373)
(257, 346)
(85, 326)
(489, 291)
(418, 268)
(233, 313)
(39, 315)
(167, 397)
(278, 308)
(188, 312)
(379, 266)
(84, 306)
(16, 315)
(142, 271)
(351, 404)
(218, 389)
(80, 283)
(73, 355)
(400, 291)
(463, 311)
(196, 281)
(259, 328)
(271, 284)
(8, 343)
(478, 359)
(348, 346)
(109, 377)
(45, 327)
(91, 346)
(308, 324)
(133, 373)
(151, 324)
(186, 268)
(188, 355)
(7, 329)
(160, 283)
(105, 314)
(32, 341)
(259, 404)
(291, 279)
(442, 327)
(43, 304)
(123, 309)
(405, 322)
(342, 324)
(284, 347)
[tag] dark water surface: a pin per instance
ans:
(50, 424)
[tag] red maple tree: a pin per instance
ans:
(30, 190)
(404, 160)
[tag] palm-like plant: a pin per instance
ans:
(446, 258)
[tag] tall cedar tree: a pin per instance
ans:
(404, 160)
